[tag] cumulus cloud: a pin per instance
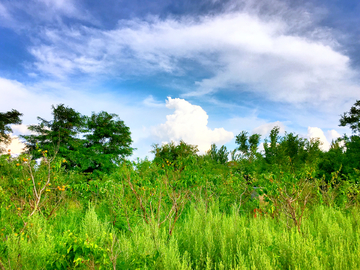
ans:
(317, 133)
(262, 54)
(189, 123)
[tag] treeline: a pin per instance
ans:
(96, 144)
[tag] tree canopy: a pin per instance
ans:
(87, 144)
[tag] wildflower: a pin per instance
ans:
(39, 183)
(17, 164)
(19, 208)
(16, 234)
(28, 179)
(9, 150)
(48, 190)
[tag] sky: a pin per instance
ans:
(201, 71)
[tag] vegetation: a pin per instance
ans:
(92, 144)
(291, 207)
(7, 119)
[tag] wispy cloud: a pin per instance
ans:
(241, 50)
(30, 16)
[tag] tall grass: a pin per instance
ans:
(206, 238)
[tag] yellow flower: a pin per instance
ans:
(39, 183)
(29, 179)
(15, 234)
(48, 190)
(19, 209)
(17, 164)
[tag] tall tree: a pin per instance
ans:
(218, 155)
(7, 119)
(92, 144)
(248, 145)
(60, 135)
(352, 143)
(108, 141)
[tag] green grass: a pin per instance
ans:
(330, 239)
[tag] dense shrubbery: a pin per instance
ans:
(291, 207)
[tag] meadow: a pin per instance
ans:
(184, 212)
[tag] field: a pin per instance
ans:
(188, 213)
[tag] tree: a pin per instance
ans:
(60, 135)
(352, 118)
(290, 151)
(92, 144)
(7, 119)
(171, 154)
(218, 155)
(108, 141)
(352, 143)
(248, 145)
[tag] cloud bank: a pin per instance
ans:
(189, 123)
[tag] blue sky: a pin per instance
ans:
(201, 71)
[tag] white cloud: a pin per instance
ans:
(16, 146)
(66, 6)
(317, 133)
(21, 130)
(332, 135)
(151, 102)
(238, 48)
(4, 12)
(189, 123)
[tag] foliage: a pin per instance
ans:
(92, 144)
(248, 145)
(220, 155)
(6, 119)
(352, 118)
(173, 154)
(290, 152)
